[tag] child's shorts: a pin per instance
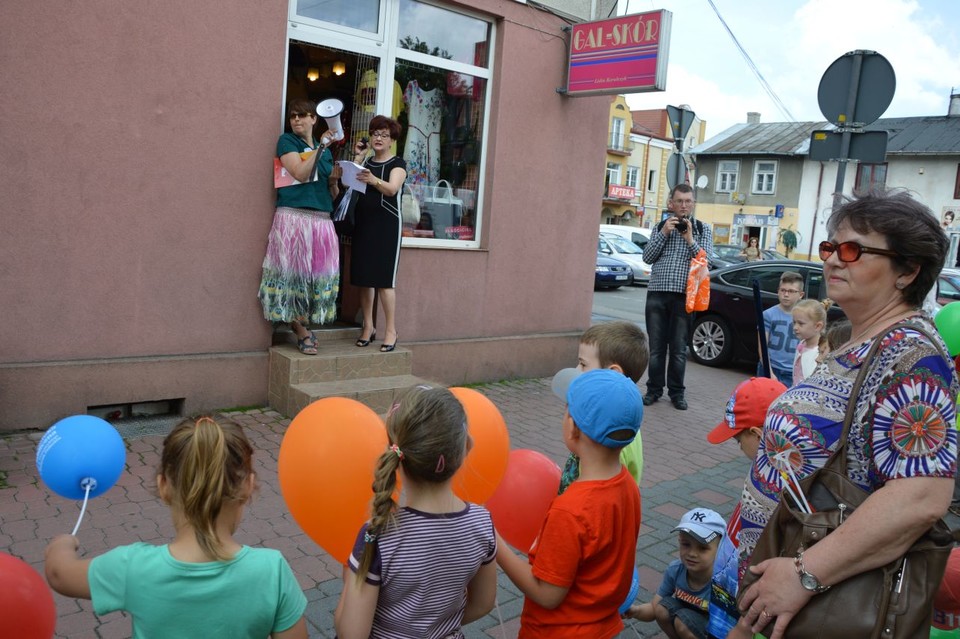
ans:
(695, 620)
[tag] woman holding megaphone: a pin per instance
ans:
(301, 270)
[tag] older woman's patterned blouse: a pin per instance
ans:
(908, 400)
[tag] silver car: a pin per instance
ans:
(628, 252)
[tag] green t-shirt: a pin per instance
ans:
(252, 595)
(309, 195)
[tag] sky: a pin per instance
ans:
(793, 42)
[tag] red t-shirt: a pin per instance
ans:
(588, 543)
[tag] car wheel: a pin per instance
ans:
(711, 342)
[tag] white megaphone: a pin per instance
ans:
(330, 111)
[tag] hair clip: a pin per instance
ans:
(369, 538)
(397, 450)
(203, 419)
(393, 409)
(441, 464)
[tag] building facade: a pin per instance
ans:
(138, 191)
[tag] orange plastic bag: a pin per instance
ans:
(698, 284)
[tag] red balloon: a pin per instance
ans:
(26, 603)
(326, 465)
(520, 504)
(486, 462)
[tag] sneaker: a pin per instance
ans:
(649, 399)
(679, 402)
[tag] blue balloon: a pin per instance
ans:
(632, 595)
(79, 451)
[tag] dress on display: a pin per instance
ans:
(422, 149)
(301, 270)
(376, 232)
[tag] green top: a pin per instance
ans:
(309, 195)
(249, 597)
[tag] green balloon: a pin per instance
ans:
(948, 324)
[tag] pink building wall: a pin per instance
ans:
(137, 198)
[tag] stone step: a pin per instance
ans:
(283, 334)
(336, 360)
(379, 393)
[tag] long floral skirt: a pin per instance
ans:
(301, 271)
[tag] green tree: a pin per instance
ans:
(789, 240)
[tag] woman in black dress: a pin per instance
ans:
(376, 232)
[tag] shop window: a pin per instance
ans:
(436, 87)
(727, 172)
(764, 177)
(363, 15)
(870, 176)
(461, 38)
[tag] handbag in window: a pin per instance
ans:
(409, 207)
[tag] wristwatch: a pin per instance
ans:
(808, 580)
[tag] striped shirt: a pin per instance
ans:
(423, 563)
(670, 257)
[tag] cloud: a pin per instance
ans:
(793, 43)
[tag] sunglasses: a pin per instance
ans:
(301, 116)
(850, 251)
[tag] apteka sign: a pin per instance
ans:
(619, 55)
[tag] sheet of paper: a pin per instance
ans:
(350, 171)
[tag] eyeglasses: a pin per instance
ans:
(850, 251)
(791, 291)
(380, 136)
(300, 116)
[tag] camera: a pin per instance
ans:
(682, 226)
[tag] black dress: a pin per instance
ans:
(376, 232)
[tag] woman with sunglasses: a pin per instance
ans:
(301, 270)
(375, 252)
(884, 254)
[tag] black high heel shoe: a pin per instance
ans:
(387, 348)
(366, 342)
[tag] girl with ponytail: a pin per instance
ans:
(203, 583)
(421, 570)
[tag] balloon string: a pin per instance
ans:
(496, 603)
(86, 495)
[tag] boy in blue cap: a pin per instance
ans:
(580, 567)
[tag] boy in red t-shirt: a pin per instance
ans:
(580, 567)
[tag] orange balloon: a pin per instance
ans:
(486, 462)
(326, 465)
(523, 498)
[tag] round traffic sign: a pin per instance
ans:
(876, 83)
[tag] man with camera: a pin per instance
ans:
(673, 243)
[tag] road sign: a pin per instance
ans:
(681, 120)
(866, 73)
(676, 170)
(869, 146)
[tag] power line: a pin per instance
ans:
(753, 67)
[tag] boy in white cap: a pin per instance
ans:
(579, 569)
(680, 605)
(742, 420)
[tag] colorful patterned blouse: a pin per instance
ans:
(912, 389)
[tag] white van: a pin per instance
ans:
(634, 234)
(626, 251)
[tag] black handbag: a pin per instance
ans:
(894, 601)
(344, 210)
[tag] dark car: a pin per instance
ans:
(727, 330)
(731, 253)
(612, 273)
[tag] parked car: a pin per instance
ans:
(627, 251)
(612, 273)
(948, 286)
(731, 252)
(635, 234)
(727, 330)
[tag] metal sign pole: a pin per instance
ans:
(847, 135)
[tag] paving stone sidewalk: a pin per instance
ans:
(681, 471)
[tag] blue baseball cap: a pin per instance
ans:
(601, 402)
